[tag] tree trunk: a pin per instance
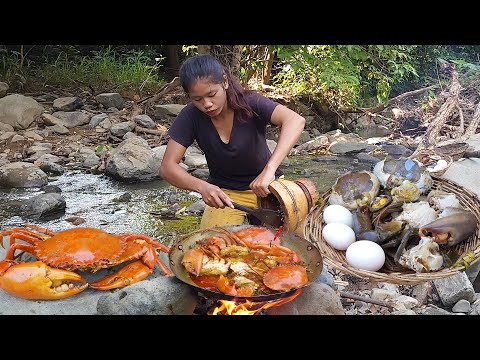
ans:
(235, 62)
(228, 55)
(173, 60)
(267, 75)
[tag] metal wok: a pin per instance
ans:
(307, 252)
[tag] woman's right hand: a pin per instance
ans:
(213, 196)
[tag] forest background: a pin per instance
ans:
(329, 78)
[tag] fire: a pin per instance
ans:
(228, 307)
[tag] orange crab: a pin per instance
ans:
(83, 249)
(281, 270)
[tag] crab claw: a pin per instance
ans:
(128, 275)
(38, 281)
(193, 260)
(451, 229)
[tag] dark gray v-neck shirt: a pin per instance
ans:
(236, 164)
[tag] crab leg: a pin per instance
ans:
(148, 239)
(20, 233)
(128, 275)
(17, 246)
(132, 273)
(41, 229)
(37, 281)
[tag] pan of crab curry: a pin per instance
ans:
(245, 262)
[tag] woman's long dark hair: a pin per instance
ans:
(207, 66)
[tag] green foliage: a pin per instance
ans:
(338, 75)
(128, 69)
(106, 69)
(101, 148)
(8, 63)
(344, 75)
(427, 58)
(190, 49)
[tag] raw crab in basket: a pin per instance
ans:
(83, 249)
(354, 189)
(415, 234)
(404, 177)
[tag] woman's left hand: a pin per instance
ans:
(260, 185)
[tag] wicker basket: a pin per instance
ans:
(336, 258)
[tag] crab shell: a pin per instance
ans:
(423, 257)
(394, 172)
(355, 189)
(451, 229)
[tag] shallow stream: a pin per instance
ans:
(96, 199)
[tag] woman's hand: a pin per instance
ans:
(260, 184)
(213, 196)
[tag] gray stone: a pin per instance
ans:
(144, 121)
(350, 147)
(158, 296)
(43, 206)
(422, 291)
(166, 111)
(19, 111)
(71, 119)
(69, 103)
(435, 311)
(3, 88)
(22, 175)
(109, 100)
(454, 288)
(326, 278)
(97, 119)
(462, 306)
(472, 271)
(315, 299)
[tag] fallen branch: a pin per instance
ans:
(149, 131)
(163, 90)
(365, 299)
(431, 140)
(382, 107)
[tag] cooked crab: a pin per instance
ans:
(62, 253)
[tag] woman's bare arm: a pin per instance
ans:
(291, 125)
(173, 173)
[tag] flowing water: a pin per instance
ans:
(96, 198)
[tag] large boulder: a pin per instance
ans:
(22, 175)
(133, 160)
(19, 111)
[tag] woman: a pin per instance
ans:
(229, 125)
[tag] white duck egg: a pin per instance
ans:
(338, 214)
(365, 255)
(338, 235)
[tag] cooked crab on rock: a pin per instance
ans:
(59, 254)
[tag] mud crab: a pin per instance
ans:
(355, 189)
(393, 173)
(59, 254)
